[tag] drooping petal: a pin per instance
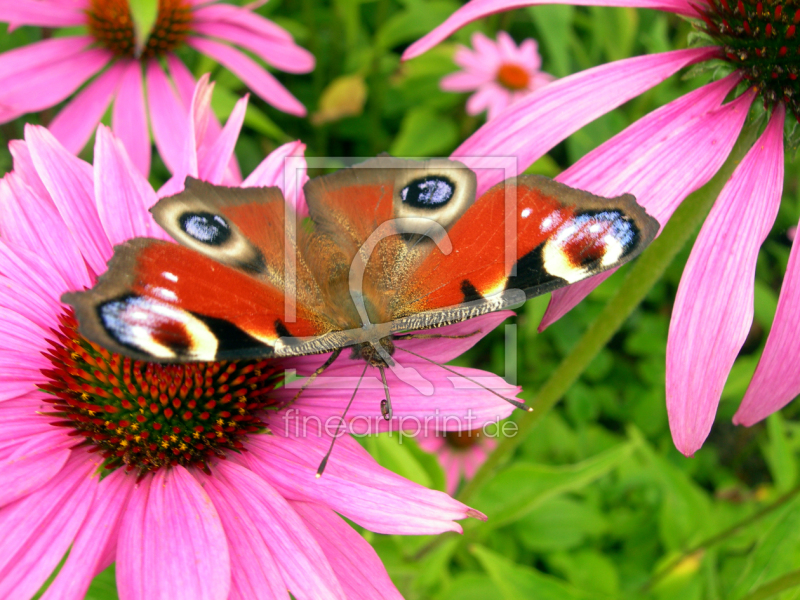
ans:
(41, 14)
(70, 184)
(75, 124)
(289, 174)
(39, 278)
(39, 528)
(49, 83)
(357, 566)
(477, 9)
(168, 117)
(96, 539)
(31, 466)
(713, 309)
(32, 222)
(303, 565)
(660, 159)
(225, 13)
(171, 542)
(354, 485)
(561, 108)
(122, 193)
(129, 117)
(254, 573)
(279, 53)
(252, 74)
(24, 167)
(21, 60)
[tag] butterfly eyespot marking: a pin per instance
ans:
(428, 192)
(205, 227)
(590, 241)
(157, 329)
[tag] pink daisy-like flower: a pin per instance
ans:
(664, 157)
(460, 453)
(179, 521)
(45, 73)
(500, 73)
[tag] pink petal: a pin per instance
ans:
(37, 275)
(40, 14)
(123, 194)
(272, 172)
(182, 78)
(24, 167)
(38, 529)
(96, 539)
(252, 74)
(281, 54)
(19, 61)
(225, 13)
(254, 572)
(660, 159)
(303, 565)
(357, 566)
(561, 108)
(215, 159)
(48, 84)
(129, 117)
(32, 222)
(776, 381)
(75, 124)
(32, 465)
(168, 117)
(69, 182)
(714, 306)
(171, 542)
(464, 81)
(353, 484)
(477, 9)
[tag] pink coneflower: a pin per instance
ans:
(119, 460)
(460, 453)
(43, 74)
(664, 157)
(500, 73)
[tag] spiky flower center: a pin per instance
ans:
(110, 23)
(513, 77)
(462, 440)
(760, 38)
(147, 415)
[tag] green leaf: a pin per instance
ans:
(775, 587)
(144, 14)
(222, 103)
(419, 19)
(424, 133)
(394, 452)
(469, 586)
(516, 581)
(554, 24)
(779, 455)
(522, 487)
(560, 524)
(104, 586)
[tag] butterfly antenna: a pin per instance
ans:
(386, 404)
(334, 355)
(324, 462)
(514, 403)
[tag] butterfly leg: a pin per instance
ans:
(435, 336)
(334, 355)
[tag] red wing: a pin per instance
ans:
(165, 302)
(561, 236)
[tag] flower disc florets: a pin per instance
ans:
(462, 439)
(110, 23)
(513, 77)
(150, 415)
(761, 39)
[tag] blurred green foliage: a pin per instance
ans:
(597, 503)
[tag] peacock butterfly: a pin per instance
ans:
(391, 246)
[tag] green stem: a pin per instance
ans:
(641, 277)
(774, 587)
(721, 537)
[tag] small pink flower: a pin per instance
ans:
(41, 75)
(499, 72)
(461, 453)
(661, 159)
(179, 521)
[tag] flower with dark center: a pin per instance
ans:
(244, 514)
(499, 72)
(103, 59)
(664, 157)
(149, 415)
(460, 453)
